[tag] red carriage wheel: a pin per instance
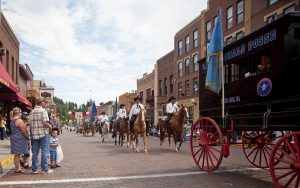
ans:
(206, 144)
(258, 145)
(285, 171)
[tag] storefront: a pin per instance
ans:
(9, 95)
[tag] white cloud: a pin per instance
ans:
(104, 44)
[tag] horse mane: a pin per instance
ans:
(139, 118)
(180, 115)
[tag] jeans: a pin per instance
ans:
(44, 144)
(3, 133)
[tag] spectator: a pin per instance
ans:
(26, 156)
(39, 129)
(53, 147)
(19, 138)
(2, 128)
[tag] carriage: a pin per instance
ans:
(262, 104)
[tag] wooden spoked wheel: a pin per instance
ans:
(285, 171)
(206, 144)
(258, 145)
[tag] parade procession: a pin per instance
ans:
(133, 94)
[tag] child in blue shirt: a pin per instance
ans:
(53, 147)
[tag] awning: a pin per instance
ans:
(6, 80)
(15, 96)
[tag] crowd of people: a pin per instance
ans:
(30, 133)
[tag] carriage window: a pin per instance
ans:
(297, 33)
(252, 65)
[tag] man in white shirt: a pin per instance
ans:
(135, 109)
(171, 109)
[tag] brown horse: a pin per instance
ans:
(139, 129)
(175, 129)
(122, 129)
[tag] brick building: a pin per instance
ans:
(127, 99)
(145, 89)
(165, 82)
(10, 43)
(187, 52)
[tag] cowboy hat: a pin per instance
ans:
(171, 98)
(121, 105)
(137, 98)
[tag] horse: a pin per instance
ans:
(104, 130)
(175, 129)
(122, 129)
(139, 129)
(89, 128)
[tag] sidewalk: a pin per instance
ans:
(6, 159)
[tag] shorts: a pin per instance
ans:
(53, 154)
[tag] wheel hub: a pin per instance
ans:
(296, 166)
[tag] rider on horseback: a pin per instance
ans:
(120, 116)
(103, 119)
(171, 110)
(135, 109)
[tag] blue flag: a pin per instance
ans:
(116, 107)
(94, 112)
(215, 58)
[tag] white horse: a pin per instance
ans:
(104, 130)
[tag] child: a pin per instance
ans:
(53, 147)
(26, 159)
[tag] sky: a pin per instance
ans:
(96, 48)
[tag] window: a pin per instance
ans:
(195, 34)
(195, 86)
(251, 65)
(171, 84)
(7, 61)
(180, 90)
(160, 88)
(148, 94)
(289, 9)
(195, 62)
(180, 69)
(271, 18)
(228, 40)
(297, 33)
(187, 43)
(13, 68)
(141, 96)
(271, 2)
(239, 35)
(240, 11)
(187, 66)
(165, 86)
(187, 88)
(208, 31)
(180, 48)
(229, 18)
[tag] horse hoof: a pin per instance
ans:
(160, 147)
(170, 148)
(137, 151)
(176, 150)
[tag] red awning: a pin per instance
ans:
(6, 80)
(15, 96)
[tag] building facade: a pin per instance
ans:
(145, 90)
(187, 52)
(10, 43)
(127, 99)
(165, 82)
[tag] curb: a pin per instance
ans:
(6, 162)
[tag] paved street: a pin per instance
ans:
(90, 163)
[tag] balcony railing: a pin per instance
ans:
(32, 94)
